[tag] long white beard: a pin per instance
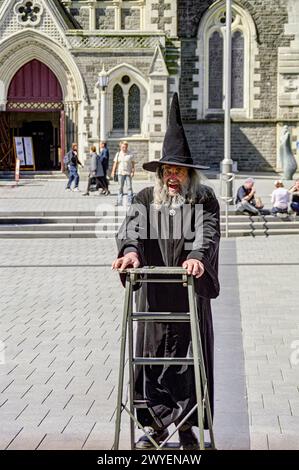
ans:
(163, 198)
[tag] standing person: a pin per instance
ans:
(104, 156)
(95, 170)
(169, 391)
(245, 199)
(280, 199)
(72, 161)
(294, 191)
(124, 166)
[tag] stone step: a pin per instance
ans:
(111, 224)
(111, 234)
(59, 220)
(59, 227)
(61, 214)
(57, 234)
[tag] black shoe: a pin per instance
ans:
(85, 194)
(188, 440)
(158, 436)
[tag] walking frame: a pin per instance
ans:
(137, 276)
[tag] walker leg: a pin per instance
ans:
(128, 294)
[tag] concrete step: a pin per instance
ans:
(58, 234)
(111, 234)
(59, 227)
(89, 224)
(56, 175)
(61, 214)
(59, 220)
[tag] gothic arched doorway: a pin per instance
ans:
(35, 107)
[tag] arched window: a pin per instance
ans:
(209, 81)
(127, 106)
(134, 108)
(216, 62)
(118, 108)
(215, 70)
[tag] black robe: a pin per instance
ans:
(170, 390)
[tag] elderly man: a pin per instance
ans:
(151, 235)
(245, 199)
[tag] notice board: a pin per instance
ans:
(24, 152)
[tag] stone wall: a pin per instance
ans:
(81, 15)
(105, 18)
(130, 19)
(253, 144)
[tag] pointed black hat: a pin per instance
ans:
(175, 146)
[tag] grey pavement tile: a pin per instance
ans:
(268, 326)
(294, 405)
(289, 424)
(259, 441)
(277, 404)
(285, 441)
(28, 439)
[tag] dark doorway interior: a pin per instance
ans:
(42, 136)
(44, 128)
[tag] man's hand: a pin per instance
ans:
(130, 260)
(194, 267)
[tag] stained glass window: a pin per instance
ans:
(238, 70)
(215, 70)
(134, 108)
(118, 108)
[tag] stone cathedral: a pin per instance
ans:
(52, 52)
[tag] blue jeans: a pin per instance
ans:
(73, 175)
(295, 207)
(277, 210)
(122, 179)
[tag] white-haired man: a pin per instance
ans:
(163, 228)
(245, 199)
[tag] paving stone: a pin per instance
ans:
(63, 324)
(285, 441)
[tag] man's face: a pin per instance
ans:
(102, 145)
(297, 185)
(174, 177)
(124, 148)
(249, 185)
(75, 148)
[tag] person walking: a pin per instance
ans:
(104, 157)
(124, 167)
(95, 170)
(71, 161)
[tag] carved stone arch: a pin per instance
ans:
(28, 45)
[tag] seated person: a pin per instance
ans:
(294, 191)
(245, 200)
(280, 199)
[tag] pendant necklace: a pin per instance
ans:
(172, 212)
